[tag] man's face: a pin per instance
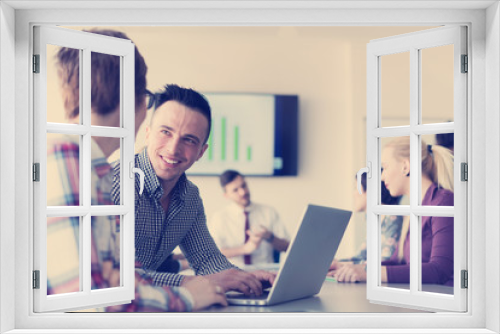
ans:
(175, 140)
(238, 192)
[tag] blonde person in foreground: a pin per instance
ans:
(437, 232)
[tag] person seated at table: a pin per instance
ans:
(246, 232)
(63, 161)
(390, 228)
(437, 232)
(170, 211)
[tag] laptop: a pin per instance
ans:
(307, 259)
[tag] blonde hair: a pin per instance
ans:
(437, 165)
(437, 160)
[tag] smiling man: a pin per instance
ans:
(170, 212)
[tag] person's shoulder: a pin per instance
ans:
(218, 216)
(264, 207)
(189, 185)
(223, 211)
(189, 191)
(443, 197)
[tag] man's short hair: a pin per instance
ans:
(105, 74)
(187, 97)
(228, 176)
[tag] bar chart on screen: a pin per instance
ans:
(242, 135)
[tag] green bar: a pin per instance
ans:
(249, 153)
(236, 143)
(223, 139)
(210, 146)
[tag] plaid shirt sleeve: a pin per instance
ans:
(164, 278)
(151, 298)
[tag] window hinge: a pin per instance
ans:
(465, 64)
(464, 171)
(36, 63)
(465, 279)
(36, 279)
(36, 172)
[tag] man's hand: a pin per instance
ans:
(205, 293)
(246, 282)
(263, 233)
(264, 276)
(252, 243)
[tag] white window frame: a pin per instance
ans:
(483, 118)
(87, 43)
(413, 43)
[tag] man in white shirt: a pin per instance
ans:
(247, 233)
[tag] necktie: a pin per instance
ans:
(248, 257)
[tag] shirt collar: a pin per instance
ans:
(152, 184)
(99, 161)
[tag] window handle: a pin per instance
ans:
(135, 170)
(368, 171)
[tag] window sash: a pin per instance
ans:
(86, 43)
(413, 43)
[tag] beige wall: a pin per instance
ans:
(324, 66)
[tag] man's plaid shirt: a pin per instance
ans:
(158, 233)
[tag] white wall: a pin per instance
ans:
(7, 169)
(491, 167)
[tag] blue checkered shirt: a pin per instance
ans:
(158, 233)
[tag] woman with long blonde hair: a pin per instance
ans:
(437, 232)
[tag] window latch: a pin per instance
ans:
(368, 171)
(134, 170)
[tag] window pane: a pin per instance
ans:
(437, 167)
(390, 232)
(395, 251)
(437, 254)
(102, 170)
(63, 170)
(437, 84)
(395, 89)
(63, 94)
(395, 173)
(63, 256)
(106, 75)
(105, 252)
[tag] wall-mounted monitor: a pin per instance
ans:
(255, 134)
